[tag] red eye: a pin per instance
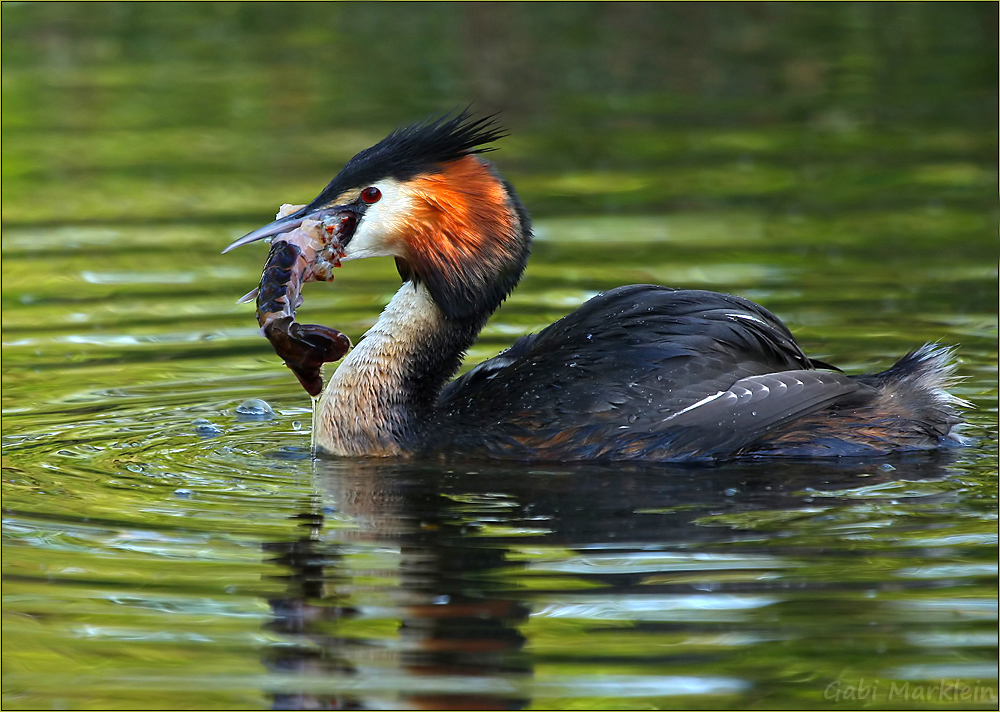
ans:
(371, 195)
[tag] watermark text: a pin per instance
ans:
(872, 690)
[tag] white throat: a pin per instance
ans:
(362, 410)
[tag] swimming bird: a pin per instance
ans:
(641, 372)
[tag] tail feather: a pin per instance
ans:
(916, 388)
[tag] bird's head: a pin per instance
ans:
(424, 196)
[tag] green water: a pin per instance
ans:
(836, 163)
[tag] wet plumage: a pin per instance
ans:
(652, 373)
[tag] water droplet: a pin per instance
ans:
(182, 492)
(296, 425)
(254, 409)
(887, 467)
(134, 468)
(732, 491)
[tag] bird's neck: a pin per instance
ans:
(383, 393)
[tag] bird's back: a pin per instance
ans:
(651, 373)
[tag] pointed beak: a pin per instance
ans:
(286, 224)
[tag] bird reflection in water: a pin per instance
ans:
(454, 622)
(427, 549)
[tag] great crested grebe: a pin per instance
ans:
(641, 372)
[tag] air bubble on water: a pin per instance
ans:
(254, 409)
(133, 468)
(206, 427)
(732, 491)
(296, 425)
(182, 492)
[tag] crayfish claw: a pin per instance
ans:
(305, 348)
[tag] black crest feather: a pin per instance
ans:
(415, 149)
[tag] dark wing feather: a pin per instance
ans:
(735, 418)
(612, 379)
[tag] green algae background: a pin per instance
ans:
(835, 162)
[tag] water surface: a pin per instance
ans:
(164, 550)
